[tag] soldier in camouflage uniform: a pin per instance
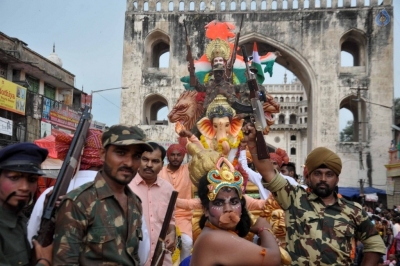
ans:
(99, 223)
(320, 226)
(217, 85)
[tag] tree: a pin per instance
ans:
(397, 110)
(346, 135)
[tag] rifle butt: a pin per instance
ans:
(46, 232)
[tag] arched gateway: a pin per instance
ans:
(310, 36)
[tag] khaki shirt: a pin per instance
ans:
(319, 234)
(14, 246)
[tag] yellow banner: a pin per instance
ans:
(12, 97)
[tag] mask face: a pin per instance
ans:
(225, 210)
(16, 189)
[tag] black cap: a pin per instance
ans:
(23, 157)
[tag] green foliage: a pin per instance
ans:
(397, 109)
(346, 135)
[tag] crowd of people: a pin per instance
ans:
(113, 214)
(116, 204)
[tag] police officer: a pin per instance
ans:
(19, 172)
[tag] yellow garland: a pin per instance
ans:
(219, 146)
(177, 253)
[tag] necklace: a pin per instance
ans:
(213, 227)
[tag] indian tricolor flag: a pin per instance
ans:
(256, 63)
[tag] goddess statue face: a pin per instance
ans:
(218, 60)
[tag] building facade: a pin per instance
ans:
(37, 94)
(290, 129)
(310, 35)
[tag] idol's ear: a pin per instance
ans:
(206, 128)
(236, 126)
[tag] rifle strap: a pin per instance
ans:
(162, 252)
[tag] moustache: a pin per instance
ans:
(125, 169)
(148, 169)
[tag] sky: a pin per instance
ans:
(88, 37)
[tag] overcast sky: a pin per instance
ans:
(88, 35)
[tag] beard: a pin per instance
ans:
(108, 172)
(322, 189)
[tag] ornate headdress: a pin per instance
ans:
(220, 107)
(218, 48)
(224, 176)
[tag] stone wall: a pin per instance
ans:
(309, 39)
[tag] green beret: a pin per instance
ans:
(323, 156)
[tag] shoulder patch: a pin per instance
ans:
(73, 194)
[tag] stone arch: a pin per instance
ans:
(232, 6)
(293, 119)
(350, 102)
(354, 42)
(151, 105)
(243, 5)
(223, 6)
(281, 119)
(156, 44)
(299, 66)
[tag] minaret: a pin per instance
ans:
(53, 57)
(285, 78)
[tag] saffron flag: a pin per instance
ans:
(256, 63)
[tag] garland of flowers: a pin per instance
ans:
(177, 253)
(233, 145)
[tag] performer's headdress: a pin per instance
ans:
(218, 48)
(220, 107)
(224, 175)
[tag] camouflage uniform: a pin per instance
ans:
(212, 89)
(319, 234)
(91, 228)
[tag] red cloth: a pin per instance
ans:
(49, 144)
(178, 147)
(280, 156)
(91, 151)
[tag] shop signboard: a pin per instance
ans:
(12, 97)
(6, 126)
(59, 114)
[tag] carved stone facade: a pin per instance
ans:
(309, 35)
(290, 129)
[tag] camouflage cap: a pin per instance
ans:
(121, 135)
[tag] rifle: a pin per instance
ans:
(47, 225)
(189, 58)
(235, 46)
(158, 256)
(258, 116)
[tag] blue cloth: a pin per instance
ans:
(23, 157)
(186, 261)
(351, 192)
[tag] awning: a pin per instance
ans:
(351, 192)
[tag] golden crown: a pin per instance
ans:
(218, 48)
(224, 175)
(220, 107)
